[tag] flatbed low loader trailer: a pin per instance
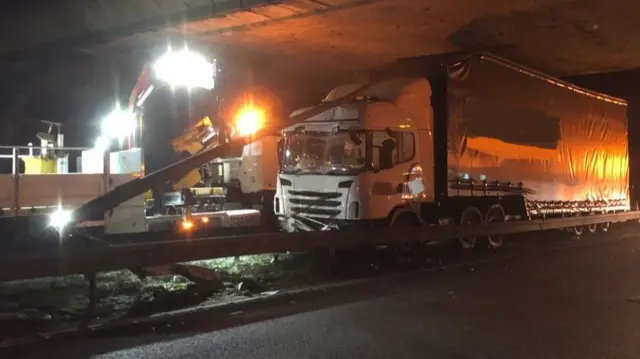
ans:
(456, 139)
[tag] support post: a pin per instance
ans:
(140, 143)
(106, 169)
(91, 276)
(91, 306)
(16, 181)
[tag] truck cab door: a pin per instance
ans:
(387, 178)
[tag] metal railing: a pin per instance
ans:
(31, 151)
(21, 152)
(172, 251)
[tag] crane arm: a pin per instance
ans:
(142, 85)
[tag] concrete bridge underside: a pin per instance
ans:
(78, 49)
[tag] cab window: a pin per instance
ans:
(408, 146)
(388, 151)
(384, 150)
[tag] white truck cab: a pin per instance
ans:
(358, 162)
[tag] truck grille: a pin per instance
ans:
(316, 211)
(315, 202)
(320, 204)
(323, 195)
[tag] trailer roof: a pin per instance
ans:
(433, 64)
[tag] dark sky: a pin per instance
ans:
(79, 90)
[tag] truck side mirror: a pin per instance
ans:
(280, 151)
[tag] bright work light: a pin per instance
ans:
(119, 124)
(185, 68)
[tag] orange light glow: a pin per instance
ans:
(205, 219)
(187, 225)
(248, 120)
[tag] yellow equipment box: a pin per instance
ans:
(38, 165)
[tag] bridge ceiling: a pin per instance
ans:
(560, 36)
(294, 44)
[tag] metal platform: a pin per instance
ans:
(39, 194)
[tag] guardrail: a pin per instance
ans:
(158, 253)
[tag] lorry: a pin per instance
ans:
(244, 177)
(455, 139)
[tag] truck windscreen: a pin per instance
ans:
(324, 153)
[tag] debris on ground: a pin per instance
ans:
(45, 302)
(250, 286)
(145, 291)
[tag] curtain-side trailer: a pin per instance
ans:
(455, 139)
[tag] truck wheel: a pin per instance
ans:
(495, 214)
(404, 220)
(471, 215)
(576, 231)
(592, 228)
(604, 227)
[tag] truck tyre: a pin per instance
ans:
(495, 214)
(577, 231)
(592, 228)
(403, 220)
(604, 227)
(471, 215)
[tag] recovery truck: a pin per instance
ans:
(455, 139)
(242, 179)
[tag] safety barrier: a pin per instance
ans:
(158, 253)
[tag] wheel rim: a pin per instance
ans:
(495, 241)
(577, 230)
(402, 248)
(470, 217)
(592, 228)
(468, 243)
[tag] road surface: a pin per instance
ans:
(579, 303)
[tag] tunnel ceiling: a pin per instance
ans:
(342, 36)
(63, 59)
(561, 37)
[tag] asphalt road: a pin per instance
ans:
(578, 303)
